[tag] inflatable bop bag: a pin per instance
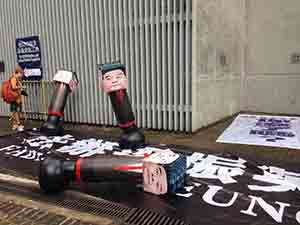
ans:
(65, 83)
(161, 173)
(114, 83)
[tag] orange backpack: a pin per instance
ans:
(7, 93)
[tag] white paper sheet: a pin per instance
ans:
(274, 131)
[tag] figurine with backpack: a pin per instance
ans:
(11, 93)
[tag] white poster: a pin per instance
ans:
(274, 131)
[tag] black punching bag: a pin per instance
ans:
(65, 83)
(114, 83)
(55, 174)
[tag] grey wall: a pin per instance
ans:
(272, 82)
(152, 37)
(218, 40)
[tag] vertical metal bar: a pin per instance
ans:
(153, 62)
(116, 30)
(74, 21)
(47, 10)
(116, 42)
(110, 33)
(143, 61)
(38, 27)
(86, 61)
(164, 64)
(170, 68)
(90, 91)
(127, 39)
(81, 101)
(51, 9)
(110, 25)
(68, 52)
(85, 57)
(131, 68)
(107, 58)
(148, 63)
(126, 27)
(61, 41)
(41, 37)
(157, 81)
(95, 40)
(9, 35)
(121, 30)
(56, 43)
(137, 73)
(101, 57)
(188, 63)
(181, 66)
(175, 78)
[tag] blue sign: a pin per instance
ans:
(29, 57)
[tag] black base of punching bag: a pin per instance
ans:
(55, 175)
(132, 138)
(53, 126)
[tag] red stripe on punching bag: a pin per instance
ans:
(58, 114)
(128, 124)
(128, 168)
(77, 171)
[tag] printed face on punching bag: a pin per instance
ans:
(155, 178)
(114, 80)
(154, 174)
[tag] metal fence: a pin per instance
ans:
(152, 37)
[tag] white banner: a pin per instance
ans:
(274, 131)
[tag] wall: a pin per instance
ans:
(152, 37)
(272, 82)
(218, 40)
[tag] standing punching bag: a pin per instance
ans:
(65, 83)
(114, 83)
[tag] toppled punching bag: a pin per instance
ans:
(161, 172)
(65, 83)
(114, 83)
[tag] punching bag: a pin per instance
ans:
(114, 83)
(65, 83)
(161, 172)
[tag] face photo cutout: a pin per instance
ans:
(114, 80)
(154, 174)
(155, 178)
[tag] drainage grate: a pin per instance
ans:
(81, 203)
(97, 207)
(11, 213)
(147, 217)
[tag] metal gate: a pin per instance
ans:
(152, 37)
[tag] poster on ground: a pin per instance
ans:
(272, 131)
